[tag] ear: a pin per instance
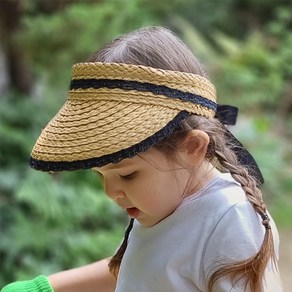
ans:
(195, 147)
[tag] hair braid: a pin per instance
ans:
(251, 270)
(241, 174)
(115, 262)
(221, 152)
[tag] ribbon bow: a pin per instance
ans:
(227, 115)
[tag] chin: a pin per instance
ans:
(148, 223)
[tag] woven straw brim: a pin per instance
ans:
(99, 130)
(96, 123)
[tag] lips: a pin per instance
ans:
(133, 212)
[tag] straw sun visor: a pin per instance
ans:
(114, 111)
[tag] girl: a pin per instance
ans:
(142, 113)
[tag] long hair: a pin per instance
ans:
(159, 48)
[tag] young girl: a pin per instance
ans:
(142, 113)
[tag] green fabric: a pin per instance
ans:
(38, 284)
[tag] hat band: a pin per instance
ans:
(144, 100)
(186, 82)
(143, 87)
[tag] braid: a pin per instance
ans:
(221, 152)
(115, 262)
(251, 270)
(241, 175)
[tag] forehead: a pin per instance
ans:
(122, 164)
(151, 157)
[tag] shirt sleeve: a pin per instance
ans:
(237, 236)
(38, 284)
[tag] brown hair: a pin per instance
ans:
(159, 48)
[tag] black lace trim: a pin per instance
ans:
(143, 87)
(114, 157)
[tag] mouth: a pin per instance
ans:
(133, 212)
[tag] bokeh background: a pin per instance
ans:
(53, 222)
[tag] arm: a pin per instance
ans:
(94, 277)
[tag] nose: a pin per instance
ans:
(114, 191)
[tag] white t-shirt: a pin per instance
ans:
(178, 254)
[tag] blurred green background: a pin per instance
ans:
(54, 222)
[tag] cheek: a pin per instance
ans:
(172, 183)
(163, 191)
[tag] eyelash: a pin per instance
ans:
(128, 176)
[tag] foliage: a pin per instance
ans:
(77, 31)
(273, 155)
(53, 222)
(48, 222)
(236, 18)
(254, 74)
(251, 73)
(56, 225)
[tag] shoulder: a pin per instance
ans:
(225, 219)
(222, 189)
(237, 232)
(236, 219)
(215, 199)
(226, 192)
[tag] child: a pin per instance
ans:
(143, 114)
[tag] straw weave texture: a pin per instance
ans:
(98, 122)
(173, 79)
(72, 139)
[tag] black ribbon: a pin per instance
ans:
(227, 115)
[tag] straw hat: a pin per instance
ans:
(114, 111)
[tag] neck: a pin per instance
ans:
(199, 177)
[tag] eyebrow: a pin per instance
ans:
(118, 165)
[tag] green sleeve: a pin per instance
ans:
(38, 284)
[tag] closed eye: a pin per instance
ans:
(128, 177)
